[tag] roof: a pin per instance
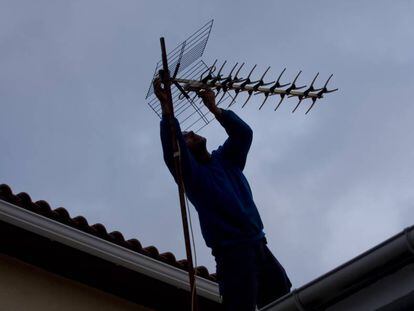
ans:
(51, 238)
(61, 215)
(364, 271)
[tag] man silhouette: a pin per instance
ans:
(248, 274)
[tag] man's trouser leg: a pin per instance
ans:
(273, 280)
(249, 275)
(238, 277)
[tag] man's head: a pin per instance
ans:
(197, 145)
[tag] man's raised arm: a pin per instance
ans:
(237, 145)
(187, 161)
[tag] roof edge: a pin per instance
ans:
(96, 246)
(350, 276)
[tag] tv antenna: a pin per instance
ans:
(191, 74)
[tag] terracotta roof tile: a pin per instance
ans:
(152, 251)
(99, 230)
(134, 245)
(60, 214)
(168, 258)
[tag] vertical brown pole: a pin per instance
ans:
(165, 79)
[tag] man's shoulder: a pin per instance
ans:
(217, 153)
(219, 157)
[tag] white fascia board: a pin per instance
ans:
(98, 247)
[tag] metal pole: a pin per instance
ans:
(166, 80)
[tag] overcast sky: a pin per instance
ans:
(75, 129)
